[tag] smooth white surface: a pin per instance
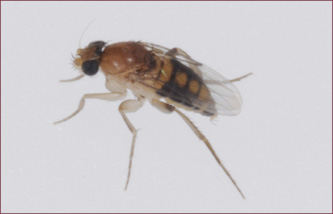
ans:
(279, 149)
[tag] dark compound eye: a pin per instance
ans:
(90, 67)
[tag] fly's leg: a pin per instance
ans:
(126, 107)
(103, 96)
(227, 81)
(242, 77)
(166, 108)
(192, 63)
(74, 79)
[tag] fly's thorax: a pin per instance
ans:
(123, 57)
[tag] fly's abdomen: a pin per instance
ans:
(183, 86)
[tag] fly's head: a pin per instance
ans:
(88, 58)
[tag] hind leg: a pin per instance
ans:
(167, 108)
(242, 77)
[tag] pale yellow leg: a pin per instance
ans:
(74, 79)
(166, 108)
(126, 107)
(239, 78)
(103, 96)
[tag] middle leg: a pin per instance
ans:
(126, 107)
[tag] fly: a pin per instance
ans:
(168, 78)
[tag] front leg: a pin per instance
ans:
(103, 96)
(129, 106)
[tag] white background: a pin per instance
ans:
(279, 149)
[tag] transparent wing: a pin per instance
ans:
(227, 98)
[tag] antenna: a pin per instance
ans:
(84, 31)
